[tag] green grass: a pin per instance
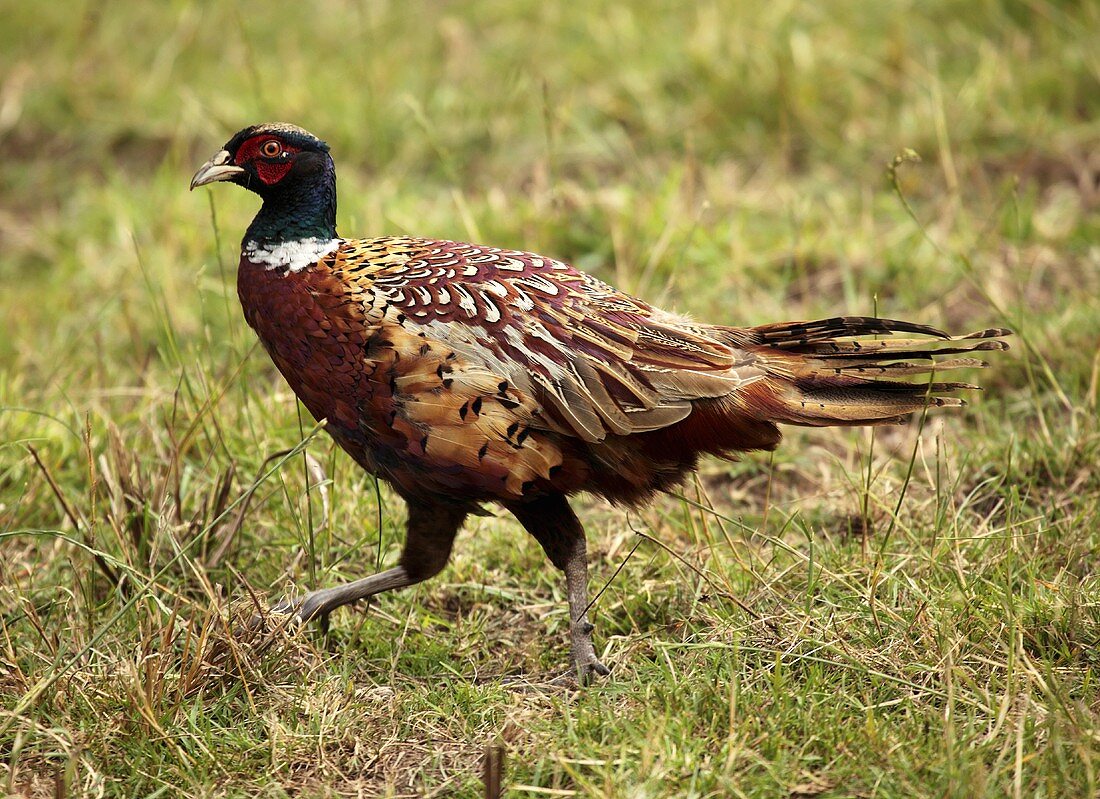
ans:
(819, 622)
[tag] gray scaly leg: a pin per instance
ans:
(552, 522)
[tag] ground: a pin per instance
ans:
(914, 612)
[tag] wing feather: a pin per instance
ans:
(597, 361)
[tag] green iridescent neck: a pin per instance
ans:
(304, 210)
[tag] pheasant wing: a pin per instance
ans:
(598, 361)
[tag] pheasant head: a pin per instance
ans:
(293, 173)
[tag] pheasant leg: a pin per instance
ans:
(554, 525)
(585, 662)
(429, 534)
(318, 604)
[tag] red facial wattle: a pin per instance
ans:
(271, 173)
(268, 169)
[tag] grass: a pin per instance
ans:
(911, 614)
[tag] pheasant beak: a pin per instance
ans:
(217, 168)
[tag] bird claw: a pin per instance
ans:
(586, 666)
(588, 671)
(286, 607)
(581, 675)
(265, 621)
(297, 611)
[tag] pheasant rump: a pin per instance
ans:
(464, 374)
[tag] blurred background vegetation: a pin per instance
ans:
(727, 159)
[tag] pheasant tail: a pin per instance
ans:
(831, 372)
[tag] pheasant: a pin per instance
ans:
(463, 374)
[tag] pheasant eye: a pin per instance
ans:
(271, 148)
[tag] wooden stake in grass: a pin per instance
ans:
(493, 771)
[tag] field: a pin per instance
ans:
(906, 613)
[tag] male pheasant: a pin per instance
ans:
(463, 374)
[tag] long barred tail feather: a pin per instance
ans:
(822, 374)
